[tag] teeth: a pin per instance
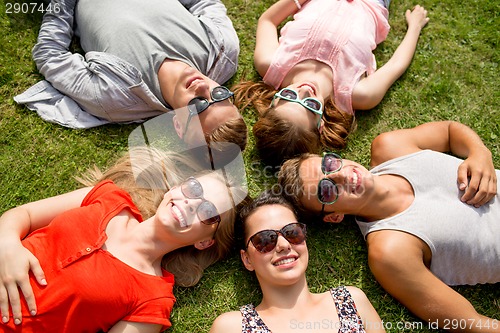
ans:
(179, 216)
(354, 180)
(195, 81)
(311, 89)
(284, 261)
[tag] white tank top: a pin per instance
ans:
(464, 240)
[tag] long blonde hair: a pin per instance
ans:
(278, 139)
(147, 174)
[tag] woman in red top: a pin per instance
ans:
(97, 265)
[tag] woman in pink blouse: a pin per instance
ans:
(319, 69)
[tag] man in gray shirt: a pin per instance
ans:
(141, 60)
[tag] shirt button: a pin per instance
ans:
(88, 249)
(78, 254)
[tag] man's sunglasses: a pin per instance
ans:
(207, 212)
(199, 104)
(310, 103)
(328, 191)
(265, 240)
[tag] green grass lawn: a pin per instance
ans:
(454, 75)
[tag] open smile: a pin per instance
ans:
(312, 88)
(176, 212)
(356, 180)
(193, 80)
(285, 261)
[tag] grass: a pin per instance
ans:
(454, 75)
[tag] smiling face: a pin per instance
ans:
(354, 182)
(181, 213)
(190, 84)
(286, 263)
(295, 112)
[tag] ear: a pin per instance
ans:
(204, 244)
(333, 218)
(178, 127)
(246, 260)
(321, 126)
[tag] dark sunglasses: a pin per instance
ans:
(310, 103)
(199, 104)
(265, 241)
(206, 211)
(328, 191)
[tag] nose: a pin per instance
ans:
(338, 177)
(203, 89)
(305, 91)
(282, 244)
(192, 206)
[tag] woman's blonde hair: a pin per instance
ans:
(147, 174)
(278, 139)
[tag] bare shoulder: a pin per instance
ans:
(431, 135)
(262, 61)
(357, 294)
(369, 316)
(393, 245)
(227, 322)
(390, 145)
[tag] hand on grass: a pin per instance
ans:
(417, 18)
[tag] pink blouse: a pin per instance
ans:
(340, 33)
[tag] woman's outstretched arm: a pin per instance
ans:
(370, 91)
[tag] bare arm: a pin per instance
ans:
(371, 90)
(15, 260)
(133, 327)
(476, 175)
(266, 37)
(371, 320)
(398, 265)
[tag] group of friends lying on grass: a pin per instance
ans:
(106, 256)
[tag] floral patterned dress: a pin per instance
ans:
(350, 321)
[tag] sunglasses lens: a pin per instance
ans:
(207, 213)
(265, 240)
(331, 163)
(313, 103)
(294, 233)
(327, 191)
(198, 105)
(288, 93)
(192, 188)
(220, 93)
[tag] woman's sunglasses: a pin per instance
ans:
(199, 104)
(265, 241)
(310, 103)
(206, 211)
(328, 191)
